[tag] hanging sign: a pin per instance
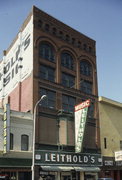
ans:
(6, 128)
(80, 121)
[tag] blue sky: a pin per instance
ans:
(100, 20)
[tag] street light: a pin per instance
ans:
(34, 128)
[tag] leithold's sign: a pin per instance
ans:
(65, 158)
(80, 121)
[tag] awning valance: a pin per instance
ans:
(57, 168)
(88, 169)
(69, 168)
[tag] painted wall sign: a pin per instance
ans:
(18, 63)
(80, 121)
(43, 157)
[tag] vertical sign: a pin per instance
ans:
(6, 128)
(80, 121)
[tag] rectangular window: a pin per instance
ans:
(47, 73)
(68, 80)
(68, 103)
(50, 101)
(11, 141)
(120, 145)
(105, 143)
(91, 110)
(24, 142)
(86, 87)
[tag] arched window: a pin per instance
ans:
(46, 51)
(24, 142)
(67, 60)
(85, 68)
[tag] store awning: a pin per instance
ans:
(15, 162)
(57, 168)
(69, 168)
(88, 169)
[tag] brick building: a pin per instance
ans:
(49, 57)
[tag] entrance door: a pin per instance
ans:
(89, 177)
(65, 175)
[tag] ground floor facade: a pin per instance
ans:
(66, 166)
(15, 169)
(111, 168)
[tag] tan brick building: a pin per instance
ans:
(111, 137)
(49, 57)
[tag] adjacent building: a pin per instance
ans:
(16, 139)
(47, 57)
(111, 137)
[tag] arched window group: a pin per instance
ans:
(47, 51)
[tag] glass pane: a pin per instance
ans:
(85, 68)
(46, 51)
(24, 142)
(67, 60)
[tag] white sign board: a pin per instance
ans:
(118, 156)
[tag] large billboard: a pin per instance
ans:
(80, 121)
(17, 64)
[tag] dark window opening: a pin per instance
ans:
(11, 141)
(84, 47)
(67, 60)
(40, 23)
(68, 103)
(86, 86)
(47, 27)
(79, 44)
(85, 68)
(105, 143)
(67, 37)
(24, 142)
(68, 80)
(54, 31)
(50, 101)
(46, 51)
(47, 73)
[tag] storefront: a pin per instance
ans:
(111, 168)
(15, 169)
(67, 166)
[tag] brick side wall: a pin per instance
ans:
(21, 96)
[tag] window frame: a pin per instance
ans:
(46, 51)
(45, 72)
(69, 105)
(85, 86)
(49, 100)
(24, 145)
(68, 80)
(85, 68)
(11, 141)
(67, 60)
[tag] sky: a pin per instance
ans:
(100, 20)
